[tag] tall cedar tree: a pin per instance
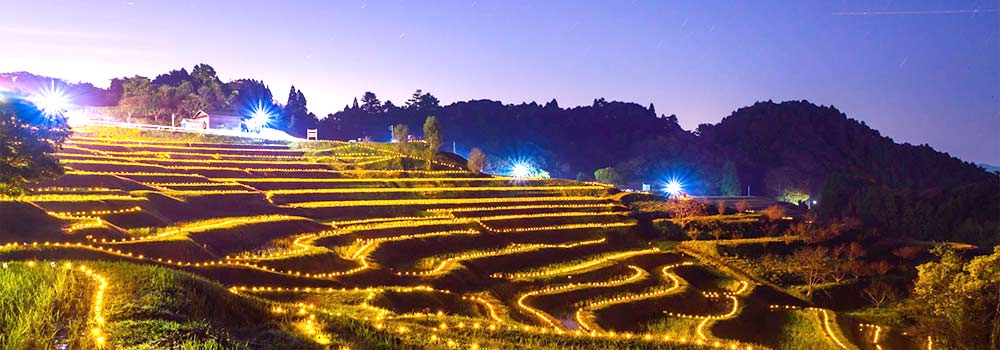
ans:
(432, 134)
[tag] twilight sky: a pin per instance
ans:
(918, 71)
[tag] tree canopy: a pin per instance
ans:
(28, 139)
(477, 160)
(958, 300)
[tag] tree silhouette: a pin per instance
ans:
(729, 185)
(370, 103)
(432, 134)
(28, 139)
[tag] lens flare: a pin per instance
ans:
(52, 101)
(674, 187)
(260, 116)
(520, 170)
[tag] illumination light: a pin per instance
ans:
(520, 170)
(52, 101)
(260, 117)
(674, 187)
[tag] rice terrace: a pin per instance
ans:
(334, 244)
(499, 175)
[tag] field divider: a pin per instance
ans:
(638, 274)
(515, 248)
(585, 312)
(434, 201)
(599, 261)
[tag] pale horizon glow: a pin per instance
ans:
(919, 72)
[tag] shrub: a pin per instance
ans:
(477, 160)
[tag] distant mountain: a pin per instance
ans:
(989, 168)
(797, 144)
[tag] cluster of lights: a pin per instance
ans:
(345, 223)
(300, 244)
(190, 184)
(638, 273)
(828, 324)
(429, 189)
(627, 336)
(204, 226)
(522, 207)
(308, 324)
(171, 154)
(130, 173)
(208, 192)
(437, 201)
(92, 214)
(155, 160)
(492, 310)
(75, 198)
(96, 222)
(402, 155)
(72, 189)
(566, 214)
(186, 264)
(185, 146)
(574, 268)
(875, 337)
(350, 180)
(493, 327)
(557, 227)
(368, 245)
(582, 313)
(511, 249)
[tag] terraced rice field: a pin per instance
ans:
(434, 257)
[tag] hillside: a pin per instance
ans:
(796, 144)
(362, 246)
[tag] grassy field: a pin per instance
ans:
(224, 243)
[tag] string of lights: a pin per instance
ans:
(573, 268)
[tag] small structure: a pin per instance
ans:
(215, 120)
(200, 120)
(312, 134)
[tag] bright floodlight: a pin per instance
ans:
(260, 116)
(51, 101)
(674, 187)
(520, 170)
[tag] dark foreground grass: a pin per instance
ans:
(41, 307)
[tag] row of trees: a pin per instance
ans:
(175, 93)
(182, 94)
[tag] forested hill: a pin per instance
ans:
(797, 144)
(775, 148)
(564, 141)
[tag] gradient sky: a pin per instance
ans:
(920, 72)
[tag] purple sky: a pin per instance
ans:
(920, 72)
